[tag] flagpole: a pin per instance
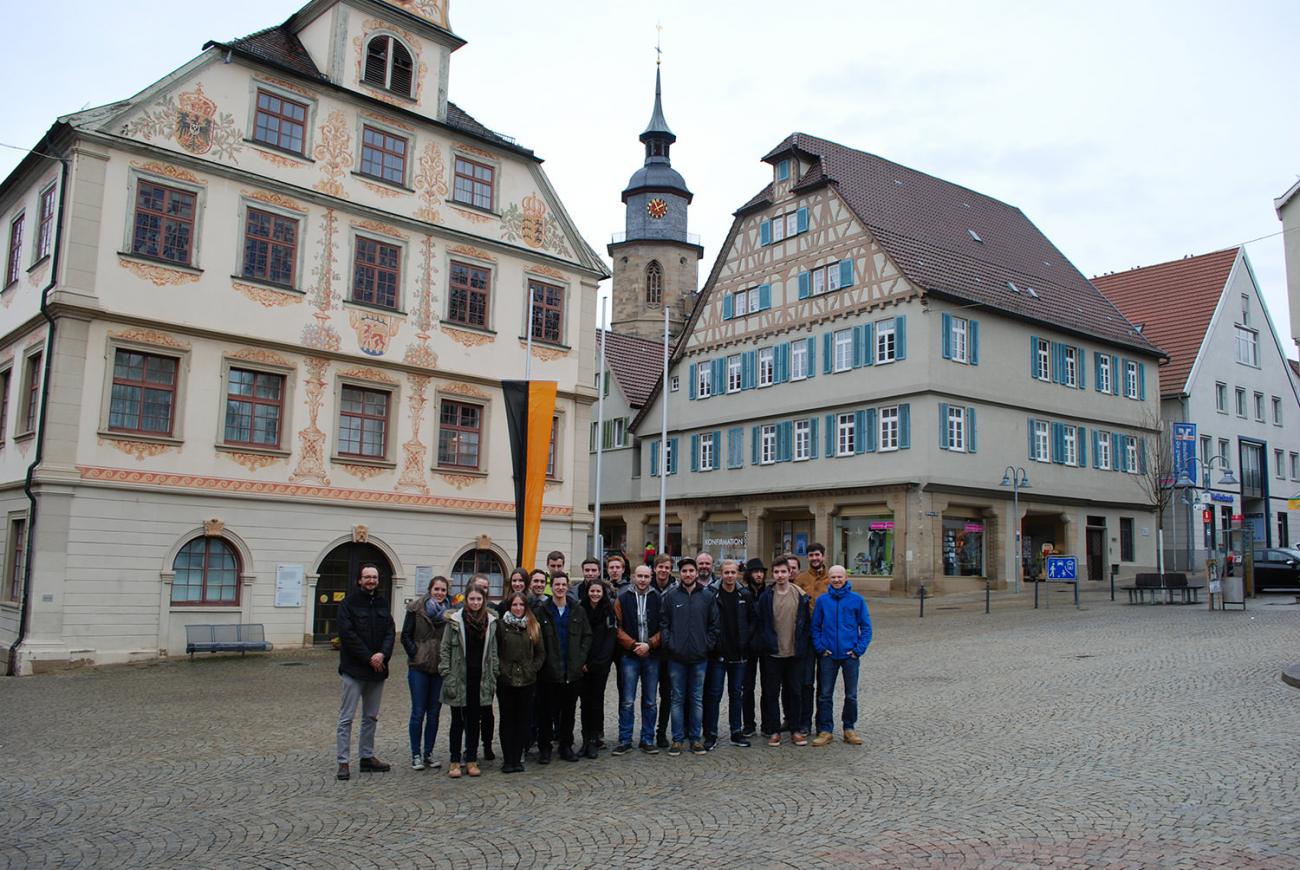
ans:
(528, 359)
(663, 444)
(600, 427)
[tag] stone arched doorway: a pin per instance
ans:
(338, 575)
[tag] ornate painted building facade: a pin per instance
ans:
(254, 330)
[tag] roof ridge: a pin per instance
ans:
(1233, 249)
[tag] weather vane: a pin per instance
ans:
(659, 39)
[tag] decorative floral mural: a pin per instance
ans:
(319, 333)
(420, 353)
(194, 121)
(431, 183)
(311, 464)
(531, 223)
(334, 153)
(430, 10)
(413, 450)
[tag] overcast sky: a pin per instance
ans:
(1130, 132)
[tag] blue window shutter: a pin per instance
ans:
(1096, 372)
(1116, 376)
(1142, 381)
(764, 296)
(719, 376)
(1033, 355)
(765, 233)
(786, 431)
(654, 458)
(748, 366)
(973, 342)
(828, 352)
(1142, 455)
(1083, 368)
(858, 349)
(695, 453)
(812, 356)
(1116, 455)
(868, 344)
(859, 432)
(1081, 438)
(755, 437)
(780, 442)
(846, 273)
(946, 326)
(812, 437)
(1031, 439)
(869, 434)
(783, 363)
(1058, 443)
(672, 455)
(728, 306)
(1096, 443)
(900, 337)
(904, 426)
(805, 285)
(970, 430)
(695, 381)
(943, 423)
(1055, 353)
(801, 216)
(830, 435)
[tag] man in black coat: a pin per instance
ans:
(366, 637)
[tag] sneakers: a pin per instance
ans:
(698, 749)
(417, 762)
(675, 749)
(430, 764)
(738, 739)
(647, 748)
(624, 749)
(798, 738)
(344, 774)
(488, 754)
(822, 738)
(374, 765)
(710, 744)
(662, 741)
(851, 737)
(472, 769)
(775, 739)
(453, 770)
(749, 732)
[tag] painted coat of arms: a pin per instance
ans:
(194, 121)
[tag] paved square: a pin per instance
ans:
(1116, 736)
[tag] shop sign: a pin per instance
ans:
(882, 525)
(974, 527)
(1221, 496)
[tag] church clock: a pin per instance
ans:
(656, 208)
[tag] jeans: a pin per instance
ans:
(665, 696)
(783, 687)
(516, 717)
(827, 668)
(807, 692)
(631, 669)
(687, 679)
(425, 709)
(754, 667)
(465, 723)
(592, 691)
(734, 675)
(559, 702)
(368, 693)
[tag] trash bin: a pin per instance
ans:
(1234, 592)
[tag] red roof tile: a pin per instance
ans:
(636, 363)
(1172, 303)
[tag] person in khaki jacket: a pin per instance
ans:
(521, 653)
(468, 661)
(421, 638)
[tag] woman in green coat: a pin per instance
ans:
(522, 653)
(468, 663)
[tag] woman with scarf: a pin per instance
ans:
(599, 607)
(421, 638)
(521, 653)
(468, 663)
(518, 582)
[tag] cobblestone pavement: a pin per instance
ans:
(1115, 736)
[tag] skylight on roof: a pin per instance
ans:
(976, 236)
(1031, 292)
(1012, 286)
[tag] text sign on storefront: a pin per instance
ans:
(1184, 449)
(882, 525)
(974, 527)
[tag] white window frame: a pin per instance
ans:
(1221, 397)
(1295, 465)
(704, 380)
(1130, 454)
(818, 282)
(778, 228)
(958, 344)
(802, 440)
(767, 444)
(887, 426)
(708, 452)
(1042, 441)
(1247, 346)
(956, 424)
(845, 434)
(766, 367)
(886, 349)
(1240, 396)
(1103, 450)
(1070, 445)
(1259, 407)
(1279, 463)
(1071, 373)
(1225, 447)
(1103, 373)
(1130, 379)
(735, 373)
(1043, 355)
(843, 349)
(1277, 411)
(740, 303)
(798, 360)
(674, 384)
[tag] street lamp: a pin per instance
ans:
(1185, 483)
(1016, 478)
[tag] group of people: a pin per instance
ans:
(548, 645)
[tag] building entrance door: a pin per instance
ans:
(1096, 545)
(338, 576)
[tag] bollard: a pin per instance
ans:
(921, 594)
(1076, 593)
(1035, 593)
(988, 594)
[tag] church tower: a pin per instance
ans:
(656, 262)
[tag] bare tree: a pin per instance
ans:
(1156, 472)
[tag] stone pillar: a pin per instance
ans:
(897, 503)
(824, 511)
(691, 538)
(754, 516)
(995, 548)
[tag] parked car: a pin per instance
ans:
(1277, 568)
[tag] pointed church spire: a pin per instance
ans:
(658, 127)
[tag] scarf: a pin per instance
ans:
(435, 611)
(520, 622)
(476, 621)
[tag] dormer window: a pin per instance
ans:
(389, 66)
(783, 170)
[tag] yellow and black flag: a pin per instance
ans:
(530, 408)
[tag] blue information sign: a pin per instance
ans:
(1184, 435)
(1063, 568)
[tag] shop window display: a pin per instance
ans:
(865, 545)
(963, 547)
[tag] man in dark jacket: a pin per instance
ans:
(661, 583)
(638, 611)
(689, 630)
(727, 659)
(785, 635)
(566, 636)
(366, 637)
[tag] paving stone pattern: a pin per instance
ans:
(1115, 736)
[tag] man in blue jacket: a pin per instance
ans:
(841, 632)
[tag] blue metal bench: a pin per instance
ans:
(225, 638)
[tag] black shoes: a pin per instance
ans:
(622, 749)
(661, 740)
(749, 732)
(738, 739)
(512, 768)
(647, 748)
(345, 773)
(488, 754)
(374, 765)
(590, 749)
(710, 744)
(544, 755)
(567, 754)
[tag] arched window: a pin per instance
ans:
(483, 562)
(389, 66)
(654, 283)
(207, 572)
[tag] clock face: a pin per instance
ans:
(656, 208)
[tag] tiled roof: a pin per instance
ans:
(925, 225)
(1173, 303)
(636, 363)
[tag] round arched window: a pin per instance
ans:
(389, 66)
(654, 283)
(483, 562)
(207, 572)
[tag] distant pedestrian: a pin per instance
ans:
(366, 637)
(521, 654)
(598, 605)
(468, 662)
(422, 638)
(649, 553)
(567, 637)
(689, 632)
(841, 632)
(638, 611)
(785, 630)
